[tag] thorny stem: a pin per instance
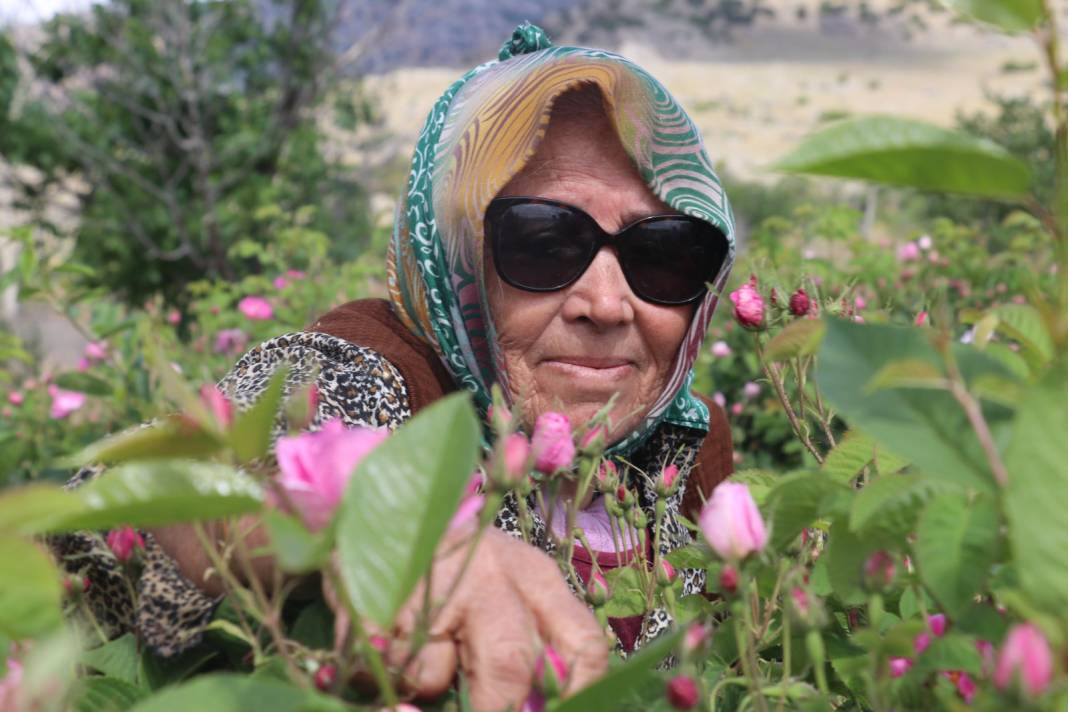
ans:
(748, 656)
(775, 378)
(974, 412)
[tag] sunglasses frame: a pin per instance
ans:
(603, 238)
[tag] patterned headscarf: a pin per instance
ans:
(480, 133)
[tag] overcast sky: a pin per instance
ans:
(22, 11)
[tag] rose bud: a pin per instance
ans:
(75, 586)
(217, 404)
(597, 591)
(624, 497)
(593, 440)
(607, 476)
(879, 571)
(748, 305)
(1026, 655)
(665, 573)
(800, 303)
(516, 456)
(728, 580)
(695, 638)
(899, 666)
(668, 481)
(682, 692)
(721, 349)
(731, 522)
(550, 673)
(552, 443)
(325, 677)
(965, 685)
(124, 543)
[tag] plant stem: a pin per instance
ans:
(776, 381)
(974, 412)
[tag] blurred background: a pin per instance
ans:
(161, 161)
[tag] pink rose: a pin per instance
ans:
(174, 317)
(695, 637)
(731, 522)
(682, 692)
(748, 305)
(800, 303)
(256, 308)
(719, 399)
(217, 404)
(315, 467)
(516, 454)
(15, 398)
(11, 686)
(921, 318)
(665, 573)
(468, 511)
(124, 542)
(229, 341)
(721, 349)
(965, 685)
(96, 350)
(64, 402)
(908, 252)
(552, 443)
(899, 666)
(751, 390)
(83, 364)
(1025, 654)
(925, 242)
(728, 579)
(669, 477)
(860, 303)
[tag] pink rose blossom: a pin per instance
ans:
(11, 686)
(965, 685)
(986, 651)
(229, 341)
(921, 318)
(751, 390)
(217, 404)
(467, 512)
(695, 637)
(665, 573)
(800, 304)
(908, 252)
(668, 479)
(731, 522)
(937, 624)
(280, 283)
(124, 542)
(83, 364)
(315, 467)
(552, 443)
(15, 398)
(174, 317)
(899, 666)
(748, 305)
(719, 399)
(64, 402)
(96, 350)
(737, 409)
(925, 242)
(860, 303)
(256, 308)
(1025, 654)
(682, 693)
(721, 349)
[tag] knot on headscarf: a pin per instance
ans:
(525, 39)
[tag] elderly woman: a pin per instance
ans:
(562, 234)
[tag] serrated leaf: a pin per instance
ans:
(250, 435)
(398, 502)
(237, 693)
(691, 556)
(890, 505)
(628, 596)
(1036, 498)
(152, 493)
(910, 153)
(906, 373)
(760, 482)
(620, 683)
(167, 438)
(1024, 324)
(1008, 15)
(846, 554)
(798, 500)
(105, 694)
(799, 338)
(952, 651)
(297, 549)
(33, 508)
(984, 330)
(957, 541)
(854, 452)
(30, 591)
(84, 383)
(118, 658)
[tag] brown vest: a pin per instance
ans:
(372, 323)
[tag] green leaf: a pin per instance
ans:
(691, 556)
(1024, 324)
(117, 658)
(910, 153)
(957, 541)
(145, 494)
(799, 338)
(84, 383)
(628, 596)
(798, 500)
(621, 682)
(30, 591)
(399, 501)
(907, 373)
(250, 435)
(105, 694)
(927, 424)
(950, 652)
(1037, 494)
(172, 437)
(854, 452)
(34, 508)
(237, 693)
(890, 505)
(1009, 15)
(846, 554)
(297, 549)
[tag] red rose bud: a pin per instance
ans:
(550, 673)
(597, 591)
(682, 692)
(728, 580)
(75, 586)
(879, 571)
(124, 543)
(665, 573)
(669, 478)
(748, 305)
(325, 677)
(624, 497)
(607, 476)
(800, 303)
(774, 297)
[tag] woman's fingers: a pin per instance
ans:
(431, 672)
(498, 648)
(563, 619)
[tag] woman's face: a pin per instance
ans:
(572, 349)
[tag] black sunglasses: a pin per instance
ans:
(542, 245)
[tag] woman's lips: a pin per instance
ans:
(600, 368)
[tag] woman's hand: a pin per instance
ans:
(510, 601)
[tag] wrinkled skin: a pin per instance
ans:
(567, 351)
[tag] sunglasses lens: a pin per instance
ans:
(670, 260)
(538, 246)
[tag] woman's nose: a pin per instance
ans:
(601, 295)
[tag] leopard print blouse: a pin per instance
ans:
(361, 387)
